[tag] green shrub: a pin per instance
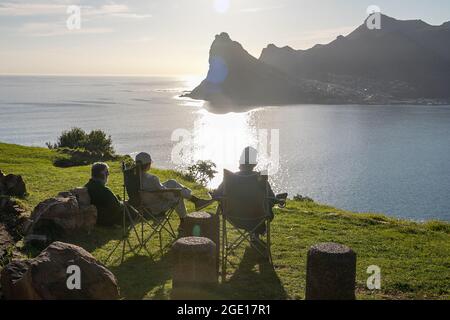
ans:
(300, 198)
(96, 141)
(201, 172)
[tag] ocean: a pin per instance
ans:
(386, 159)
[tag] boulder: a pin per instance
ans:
(46, 276)
(82, 195)
(12, 185)
(13, 217)
(6, 243)
(62, 216)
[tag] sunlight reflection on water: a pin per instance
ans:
(221, 139)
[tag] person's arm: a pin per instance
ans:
(151, 183)
(111, 201)
(270, 194)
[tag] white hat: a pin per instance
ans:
(143, 158)
(248, 156)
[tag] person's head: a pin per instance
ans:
(144, 160)
(247, 162)
(100, 172)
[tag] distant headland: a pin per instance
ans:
(404, 62)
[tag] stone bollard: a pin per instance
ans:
(203, 224)
(330, 272)
(194, 260)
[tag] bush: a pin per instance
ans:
(97, 141)
(77, 148)
(300, 198)
(201, 172)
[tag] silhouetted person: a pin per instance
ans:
(247, 164)
(150, 182)
(109, 208)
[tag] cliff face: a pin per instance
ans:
(404, 60)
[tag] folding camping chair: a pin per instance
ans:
(143, 208)
(245, 206)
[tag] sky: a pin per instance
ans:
(172, 37)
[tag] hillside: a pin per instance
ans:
(413, 257)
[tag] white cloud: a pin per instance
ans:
(142, 40)
(43, 9)
(55, 29)
(30, 9)
(260, 9)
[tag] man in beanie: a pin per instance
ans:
(150, 182)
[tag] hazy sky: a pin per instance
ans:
(173, 36)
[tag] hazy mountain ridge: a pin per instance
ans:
(405, 61)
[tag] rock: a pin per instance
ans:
(61, 216)
(82, 195)
(12, 185)
(203, 224)
(6, 243)
(194, 265)
(45, 277)
(331, 272)
(13, 216)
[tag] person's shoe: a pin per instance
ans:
(201, 203)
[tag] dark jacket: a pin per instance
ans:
(109, 208)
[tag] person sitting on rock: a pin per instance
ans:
(109, 208)
(150, 182)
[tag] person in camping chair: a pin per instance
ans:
(247, 164)
(109, 208)
(150, 182)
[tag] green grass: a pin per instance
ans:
(414, 257)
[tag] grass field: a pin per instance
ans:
(414, 257)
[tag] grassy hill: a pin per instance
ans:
(413, 257)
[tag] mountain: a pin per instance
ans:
(237, 78)
(404, 61)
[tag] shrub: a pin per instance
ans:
(96, 141)
(77, 148)
(201, 172)
(300, 198)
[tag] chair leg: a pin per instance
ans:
(269, 244)
(224, 250)
(160, 243)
